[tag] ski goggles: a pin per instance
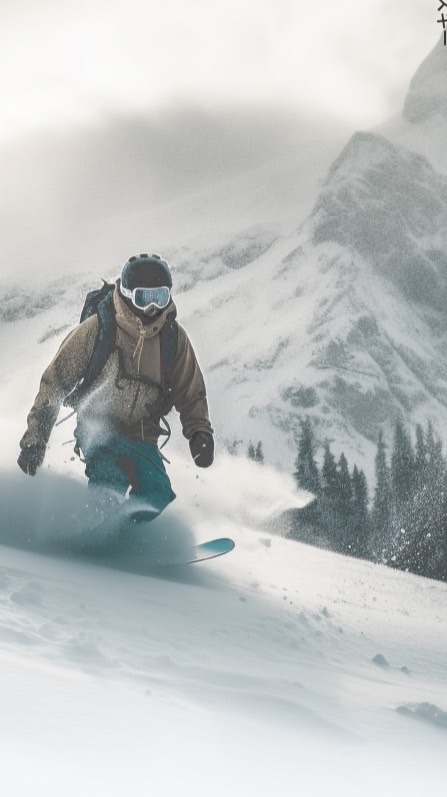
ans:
(145, 298)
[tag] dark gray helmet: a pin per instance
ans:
(146, 271)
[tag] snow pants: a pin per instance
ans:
(120, 462)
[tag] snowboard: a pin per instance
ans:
(208, 550)
(198, 552)
(132, 543)
(141, 560)
(185, 555)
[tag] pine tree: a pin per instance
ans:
(403, 484)
(307, 521)
(382, 508)
(344, 505)
(430, 442)
(329, 482)
(434, 458)
(306, 473)
(360, 525)
(259, 454)
(251, 454)
(424, 547)
(418, 510)
(402, 465)
(329, 500)
(344, 491)
(421, 449)
(438, 535)
(421, 460)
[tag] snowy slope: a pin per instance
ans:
(277, 669)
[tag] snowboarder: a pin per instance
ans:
(150, 367)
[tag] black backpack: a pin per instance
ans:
(100, 301)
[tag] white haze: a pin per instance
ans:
(72, 64)
(86, 201)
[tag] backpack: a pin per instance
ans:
(100, 301)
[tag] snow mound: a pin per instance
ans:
(425, 711)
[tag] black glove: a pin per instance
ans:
(202, 449)
(31, 457)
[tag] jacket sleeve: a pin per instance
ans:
(189, 393)
(58, 380)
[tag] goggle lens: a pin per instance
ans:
(144, 297)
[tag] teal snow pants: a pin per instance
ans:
(120, 462)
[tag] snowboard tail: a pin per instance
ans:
(209, 550)
(198, 552)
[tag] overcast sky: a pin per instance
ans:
(63, 62)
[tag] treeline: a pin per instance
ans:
(255, 453)
(405, 523)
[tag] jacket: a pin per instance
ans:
(127, 395)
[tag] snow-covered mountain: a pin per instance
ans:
(343, 319)
(427, 95)
(379, 226)
(378, 233)
(346, 320)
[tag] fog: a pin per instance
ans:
(66, 63)
(115, 115)
(125, 183)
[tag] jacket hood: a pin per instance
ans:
(132, 324)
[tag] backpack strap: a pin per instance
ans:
(105, 340)
(168, 351)
(102, 347)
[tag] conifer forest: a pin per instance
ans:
(403, 524)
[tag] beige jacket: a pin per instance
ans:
(126, 395)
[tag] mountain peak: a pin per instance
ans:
(388, 205)
(427, 94)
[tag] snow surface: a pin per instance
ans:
(279, 668)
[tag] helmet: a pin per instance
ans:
(146, 284)
(145, 271)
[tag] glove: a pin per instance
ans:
(31, 457)
(202, 449)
